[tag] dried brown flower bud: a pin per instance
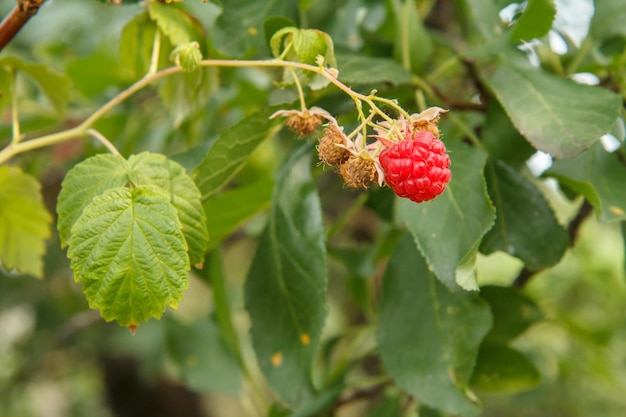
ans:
(328, 151)
(358, 172)
(304, 123)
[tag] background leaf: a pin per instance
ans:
(186, 93)
(231, 150)
(429, 335)
(413, 45)
(286, 285)
(450, 227)
(227, 211)
(358, 69)
(483, 16)
(505, 370)
(136, 45)
(598, 176)
(175, 23)
(128, 251)
(202, 357)
(535, 21)
(513, 313)
(239, 29)
(556, 115)
(608, 20)
(24, 222)
(526, 226)
(501, 138)
(54, 85)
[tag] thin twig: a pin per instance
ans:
(14, 21)
(100, 137)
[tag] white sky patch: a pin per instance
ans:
(585, 78)
(539, 162)
(573, 18)
(557, 43)
(610, 142)
(508, 13)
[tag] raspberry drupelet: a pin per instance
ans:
(417, 166)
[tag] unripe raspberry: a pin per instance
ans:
(329, 152)
(358, 172)
(416, 167)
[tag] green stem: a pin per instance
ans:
(81, 130)
(467, 130)
(299, 88)
(156, 49)
(17, 148)
(15, 118)
(347, 214)
(580, 55)
(404, 37)
(100, 137)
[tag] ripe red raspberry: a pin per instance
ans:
(416, 167)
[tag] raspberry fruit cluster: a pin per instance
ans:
(407, 155)
(417, 167)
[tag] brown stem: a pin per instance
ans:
(574, 226)
(14, 21)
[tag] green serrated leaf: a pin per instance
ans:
(239, 29)
(128, 250)
(598, 176)
(428, 335)
(82, 183)
(185, 94)
(555, 115)
(173, 22)
(24, 222)
(513, 313)
(227, 211)
(97, 174)
(526, 226)
(359, 69)
(155, 169)
(450, 227)
(505, 370)
(535, 21)
(231, 150)
(286, 285)
(54, 85)
(501, 138)
(205, 362)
